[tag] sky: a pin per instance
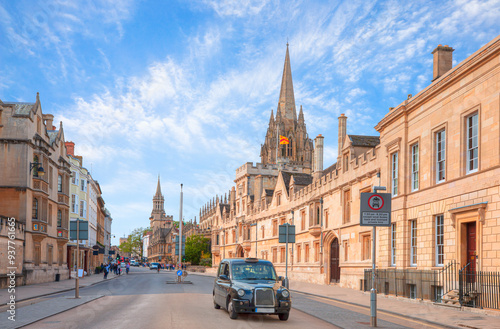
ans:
(184, 89)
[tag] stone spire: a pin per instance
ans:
(286, 104)
(301, 116)
(158, 188)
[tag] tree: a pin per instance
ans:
(196, 247)
(134, 244)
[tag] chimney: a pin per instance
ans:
(443, 60)
(318, 156)
(70, 148)
(49, 119)
(342, 131)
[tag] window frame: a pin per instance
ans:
(415, 167)
(439, 239)
(413, 242)
(467, 146)
(394, 173)
(440, 147)
(393, 244)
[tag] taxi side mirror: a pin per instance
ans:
(224, 277)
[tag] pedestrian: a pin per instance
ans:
(106, 271)
(127, 267)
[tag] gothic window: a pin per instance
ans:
(35, 208)
(59, 218)
(289, 147)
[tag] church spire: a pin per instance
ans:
(301, 116)
(286, 103)
(158, 188)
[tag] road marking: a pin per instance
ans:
(368, 308)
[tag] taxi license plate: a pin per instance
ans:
(264, 310)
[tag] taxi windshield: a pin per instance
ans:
(253, 271)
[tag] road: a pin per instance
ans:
(143, 299)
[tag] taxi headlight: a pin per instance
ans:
(285, 293)
(241, 292)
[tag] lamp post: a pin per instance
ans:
(39, 169)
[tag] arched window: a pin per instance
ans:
(35, 209)
(317, 215)
(289, 147)
(59, 183)
(59, 218)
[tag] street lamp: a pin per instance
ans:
(39, 169)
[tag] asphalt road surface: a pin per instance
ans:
(143, 299)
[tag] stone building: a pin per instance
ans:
(438, 154)
(39, 203)
(161, 242)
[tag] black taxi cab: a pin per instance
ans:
(250, 286)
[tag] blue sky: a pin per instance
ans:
(184, 89)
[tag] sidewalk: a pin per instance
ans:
(408, 308)
(48, 288)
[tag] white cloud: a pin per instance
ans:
(236, 8)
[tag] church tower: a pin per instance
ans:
(158, 217)
(299, 151)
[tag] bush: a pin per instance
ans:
(206, 262)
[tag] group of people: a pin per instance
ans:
(115, 268)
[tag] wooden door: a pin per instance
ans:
(334, 261)
(471, 246)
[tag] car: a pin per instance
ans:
(250, 286)
(154, 266)
(123, 264)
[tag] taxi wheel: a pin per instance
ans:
(216, 306)
(230, 309)
(284, 316)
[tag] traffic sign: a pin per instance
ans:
(287, 233)
(375, 209)
(179, 273)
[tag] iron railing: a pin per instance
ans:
(479, 289)
(448, 277)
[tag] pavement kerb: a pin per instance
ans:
(386, 311)
(48, 316)
(64, 290)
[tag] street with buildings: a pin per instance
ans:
(396, 229)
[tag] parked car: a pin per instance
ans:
(154, 266)
(123, 264)
(250, 286)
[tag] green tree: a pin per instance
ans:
(196, 247)
(134, 244)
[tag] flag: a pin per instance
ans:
(284, 140)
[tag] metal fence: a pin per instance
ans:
(410, 283)
(479, 289)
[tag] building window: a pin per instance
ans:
(413, 291)
(472, 143)
(74, 178)
(35, 169)
(393, 244)
(306, 256)
(394, 174)
(440, 156)
(413, 243)
(83, 185)
(326, 218)
(318, 214)
(83, 209)
(59, 218)
(299, 250)
(439, 240)
(278, 199)
(217, 240)
(282, 254)
(366, 247)
(263, 232)
(35, 209)
(414, 167)
(50, 215)
(346, 251)
(303, 220)
(51, 173)
(346, 162)
(347, 207)
(316, 251)
(275, 227)
(59, 184)
(37, 253)
(74, 203)
(275, 255)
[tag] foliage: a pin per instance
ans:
(206, 262)
(197, 247)
(134, 243)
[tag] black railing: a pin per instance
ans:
(448, 277)
(479, 289)
(410, 283)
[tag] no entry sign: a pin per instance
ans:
(375, 209)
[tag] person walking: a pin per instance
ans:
(127, 267)
(106, 271)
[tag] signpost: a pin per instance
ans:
(286, 235)
(375, 210)
(78, 230)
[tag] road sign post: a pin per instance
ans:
(375, 211)
(286, 234)
(78, 230)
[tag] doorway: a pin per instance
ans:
(334, 261)
(239, 252)
(471, 246)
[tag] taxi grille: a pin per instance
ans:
(264, 297)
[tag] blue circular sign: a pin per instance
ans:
(179, 273)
